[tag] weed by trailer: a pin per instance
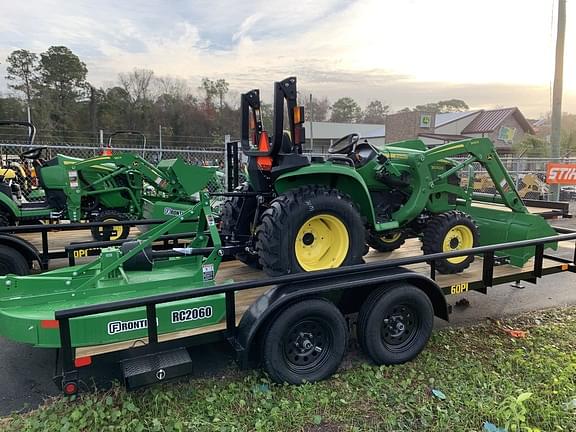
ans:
(302, 220)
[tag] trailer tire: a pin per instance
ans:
(13, 262)
(122, 231)
(310, 228)
(231, 211)
(385, 242)
(395, 324)
(450, 231)
(305, 342)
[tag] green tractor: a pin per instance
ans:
(107, 188)
(304, 213)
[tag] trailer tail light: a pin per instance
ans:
(106, 151)
(83, 361)
(70, 388)
(264, 162)
(49, 324)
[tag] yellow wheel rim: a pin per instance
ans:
(322, 243)
(457, 238)
(391, 238)
(118, 229)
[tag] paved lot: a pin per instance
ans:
(26, 373)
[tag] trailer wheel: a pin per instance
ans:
(310, 228)
(12, 262)
(237, 217)
(385, 242)
(395, 324)
(305, 343)
(447, 232)
(105, 233)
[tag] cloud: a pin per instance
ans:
(404, 53)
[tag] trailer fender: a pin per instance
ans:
(337, 289)
(24, 247)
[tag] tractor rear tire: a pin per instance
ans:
(114, 232)
(447, 232)
(385, 242)
(395, 323)
(305, 342)
(310, 228)
(230, 225)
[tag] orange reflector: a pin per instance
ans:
(264, 162)
(298, 114)
(83, 361)
(49, 324)
(564, 267)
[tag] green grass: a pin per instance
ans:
(480, 369)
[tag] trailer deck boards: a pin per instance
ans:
(239, 272)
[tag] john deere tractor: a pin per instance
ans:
(105, 188)
(299, 212)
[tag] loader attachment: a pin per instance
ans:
(502, 225)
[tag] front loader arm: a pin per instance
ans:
(425, 183)
(480, 150)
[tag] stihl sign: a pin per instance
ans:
(559, 173)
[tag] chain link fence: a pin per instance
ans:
(528, 174)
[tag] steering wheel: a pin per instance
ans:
(344, 145)
(33, 154)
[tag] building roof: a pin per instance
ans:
(449, 117)
(487, 121)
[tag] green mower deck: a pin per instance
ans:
(28, 304)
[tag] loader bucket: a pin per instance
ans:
(191, 178)
(502, 225)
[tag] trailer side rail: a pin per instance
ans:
(487, 280)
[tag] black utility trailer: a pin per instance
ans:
(275, 321)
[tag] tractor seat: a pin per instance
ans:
(364, 153)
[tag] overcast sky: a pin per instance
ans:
(491, 53)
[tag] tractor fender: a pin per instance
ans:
(336, 176)
(335, 288)
(27, 249)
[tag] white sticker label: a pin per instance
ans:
(208, 272)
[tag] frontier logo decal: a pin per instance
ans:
(558, 173)
(115, 327)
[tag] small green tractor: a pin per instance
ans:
(300, 213)
(105, 188)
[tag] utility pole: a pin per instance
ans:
(557, 91)
(311, 127)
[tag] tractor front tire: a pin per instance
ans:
(385, 242)
(12, 262)
(310, 228)
(231, 225)
(447, 232)
(110, 232)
